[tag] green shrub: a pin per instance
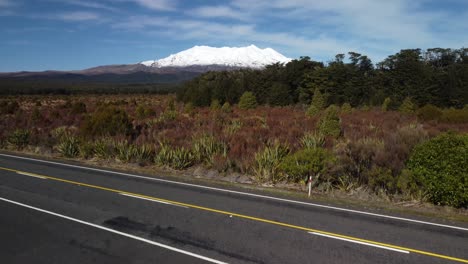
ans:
(247, 101)
(107, 121)
(215, 105)
(317, 104)
(440, 168)
(429, 112)
(188, 108)
(206, 147)
(312, 140)
(357, 157)
(407, 185)
(456, 116)
(69, 146)
(144, 153)
(381, 179)
(125, 152)
(306, 162)
(329, 124)
(176, 158)
(346, 108)
(233, 127)
(386, 104)
(407, 106)
(268, 160)
(19, 138)
(104, 148)
(86, 150)
(144, 112)
(182, 158)
(226, 108)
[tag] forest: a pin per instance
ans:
(436, 76)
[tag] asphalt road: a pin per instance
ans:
(52, 213)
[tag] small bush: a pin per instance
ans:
(317, 104)
(440, 168)
(357, 157)
(306, 162)
(346, 108)
(330, 122)
(407, 106)
(312, 140)
(381, 179)
(144, 112)
(144, 153)
(104, 148)
(247, 101)
(429, 112)
(233, 127)
(176, 158)
(86, 150)
(206, 147)
(215, 105)
(268, 160)
(19, 138)
(454, 116)
(182, 158)
(69, 146)
(226, 108)
(188, 108)
(125, 152)
(107, 121)
(386, 104)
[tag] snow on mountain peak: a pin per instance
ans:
(248, 57)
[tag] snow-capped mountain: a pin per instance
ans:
(178, 67)
(242, 57)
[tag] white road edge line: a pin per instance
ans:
(359, 242)
(152, 200)
(115, 232)
(246, 194)
(31, 175)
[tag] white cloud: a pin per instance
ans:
(164, 5)
(142, 22)
(90, 4)
(78, 16)
(5, 3)
(319, 29)
(219, 12)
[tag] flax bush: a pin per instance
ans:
(312, 140)
(206, 147)
(268, 160)
(69, 146)
(175, 158)
(19, 138)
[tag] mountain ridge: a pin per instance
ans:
(243, 57)
(175, 68)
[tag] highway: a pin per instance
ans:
(54, 212)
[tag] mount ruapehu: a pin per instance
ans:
(175, 68)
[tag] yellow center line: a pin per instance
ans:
(247, 217)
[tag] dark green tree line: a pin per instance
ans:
(436, 76)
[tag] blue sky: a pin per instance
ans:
(76, 34)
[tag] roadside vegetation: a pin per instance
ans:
(397, 130)
(415, 156)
